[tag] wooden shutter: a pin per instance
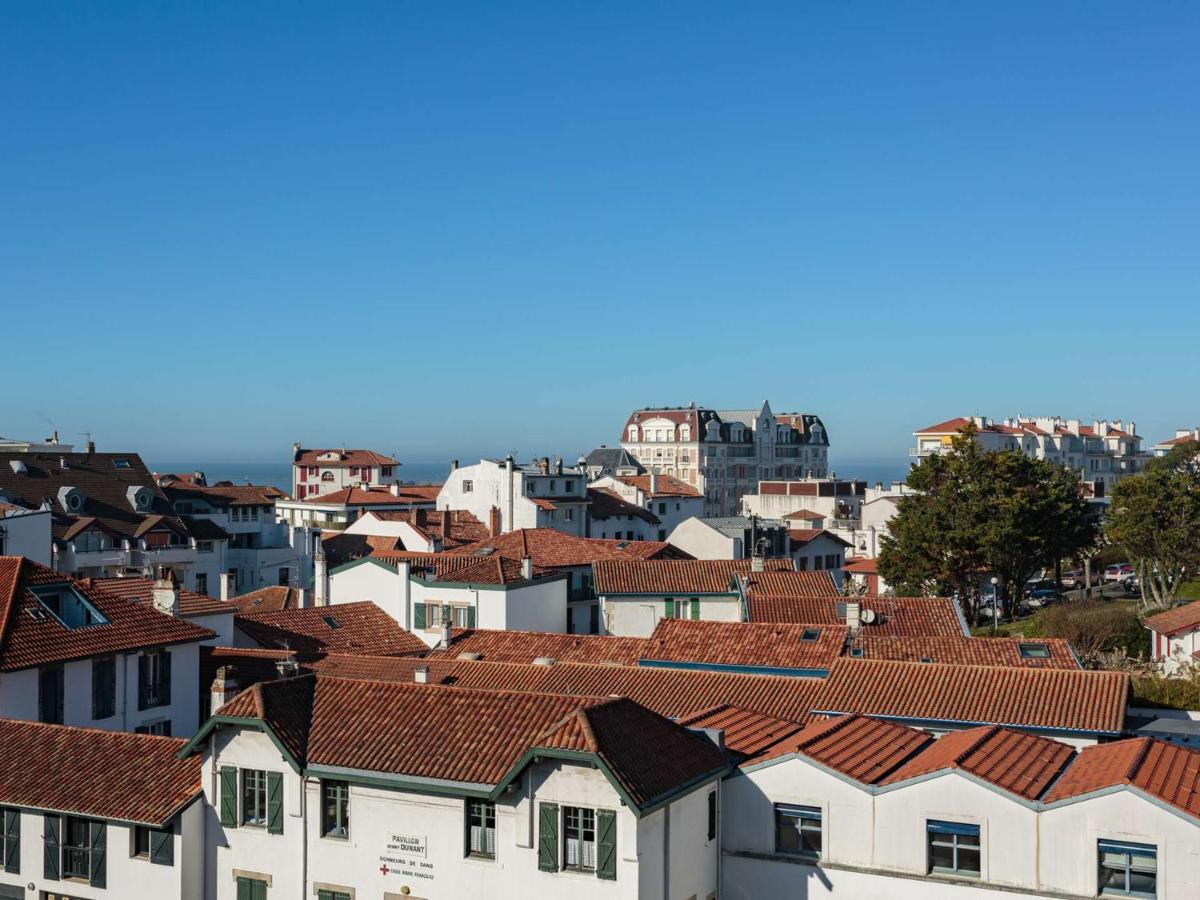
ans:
(548, 837)
(275, 803)
(51, 829)
(164, 670)
(606, 844)
(99, 852)
(670, 601)
(470, 617)
(695, 609)
(12, 841)
(162, 846)
(712, 814)
(142, 698)
(229, 796)
(419, 615)
(251, 889)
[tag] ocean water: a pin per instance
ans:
(280, 474)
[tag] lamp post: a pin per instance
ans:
(995, 605)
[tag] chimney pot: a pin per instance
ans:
(225, 586)
(421, 675)
(527, 568)
(223, 689)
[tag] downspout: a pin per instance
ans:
(304, 835)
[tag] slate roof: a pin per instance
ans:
(141, 590)
(89, 772)
(1177, 620)
(27, 642)
(1166, 771)
(669, 692)
(474, 736)
(1018, 762)
(1053, 699)
(672, 576)
(746, 644)
(526, 646)
(923, 617)
(341, 628)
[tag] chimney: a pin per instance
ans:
(225, 581)
(445, 524)
(453, 465)
(444, 643)
(853, 614)
(288, 667)
(320, 578)
(418, 517)
(558, 465)
(527, 568)
(543, 465)
(90, 448)
(166, 595)
(421, 675)
(394, 488)
(224, 688)
(302, 598)
(756, 563)
(493, 521)
(653, 484)
(1184, 432)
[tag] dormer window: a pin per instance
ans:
(120, 463)
(67, 606)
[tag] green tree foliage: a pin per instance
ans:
(1097, 627)
(1155, 517)
(973, 514)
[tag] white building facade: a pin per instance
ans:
(541, 494)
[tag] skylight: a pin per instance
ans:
(810, 634)
(1034, 651)
(120, 464)
(331, 621)
(67, 606)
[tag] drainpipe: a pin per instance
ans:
(304, 836)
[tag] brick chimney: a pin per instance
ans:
(445, 523)
(224, 688)
(493, 522)
(418, 517)
(166, 594)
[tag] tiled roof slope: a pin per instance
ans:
(666, 486)
(1166, 771)
(492, 570)
(862, 748)
(607, 505)
(668, 692)
(746, 734)
(453, 527)
(786, 583)
(1173, 621)
(340, 548)
(1054, 699)
(377, 496)
(894, 616)
(1020, 763)
(223, 493)
(674, 576)
(473, 736)
(27, 642)
(746, 644)
(972, 651)
(526, 646)
(360, 627)
(645, 549)
(345, 458)
(250, 665)
(268, 599)
(141, 590)
(102, 774)
(546, 547)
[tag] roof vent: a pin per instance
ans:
(71, 498)
(471, 657)
(18, 467)
(544, 661)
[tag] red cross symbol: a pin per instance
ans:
(384, 869)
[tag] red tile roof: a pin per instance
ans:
(745, 644)
(345, 458)
(806, 514)
(669, 692)
(804, 536)
(223, 492)
(645, 549)
(547, 547)
(452, 527)
(1166, 771)
(526, 646)
(745, 734)
(786, 583)
(1052, 699)
(607, 505)
(862, 565)
(250, 664)
(376, 496)
(1020, 763)
(859, 747)
(667, 486)
(88, 772)
(27, 642)
(141, 590)
(661, 576)
(491, 570)
(268, 599)
(894, 616)
(474, 736)
(973, 651)
(341, 548)
(1177, 620)
(342, 628)
(950, 426)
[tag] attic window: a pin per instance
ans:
(331, 621)
(1034, 651)
(67, 606)
(120, 463)
(926, 659)
(856, 652)
(810, 634)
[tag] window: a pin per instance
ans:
(254, 797)
(1128, 870)
(331, 622)
(481, 829)
(712, 814)
(327, 476)
(468, 485)
(76, 848)
(251, 889)
(50, 695)
(204, 547)
(10, 840)
(798, 830)
(325, 894)
(160, 727)
(579, 838)
(335, 809)
(154, 679)
(104, 687)
(569, 515)
(120, 464)
(61, 601)
(1034, 651)
(953, 848)
(810, 634)
(202, 583)
(154, 844)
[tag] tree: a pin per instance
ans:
(1155, 516)
(975, 513)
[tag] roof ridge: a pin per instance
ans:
(985, 735)
(835, 724)
(86, 729)
(1138, 759)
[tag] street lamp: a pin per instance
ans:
(995, 604)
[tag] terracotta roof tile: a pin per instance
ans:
(894, 616)
(547, 547)
(974, 651)
(862, 748)
(1053, 699)
(862, 565)
(250, 664)
(746, 735)
(342, 628)
(645, 549)
(268, 599)
(27, 642)
(1166, 771)
(377, 496)
(526, 646)
(1174, 621)
(659, 576)
(141, 590)
(223, 492)
(453, 528)
(804, 536)
(786, 583)
(607, 505)
(345, 458)
(746, 644)
(104, 774)
(667, 486)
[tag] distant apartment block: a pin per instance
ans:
(1182, 436)
(725, 453)
(317, 472)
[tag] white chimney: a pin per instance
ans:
(421, 675)
(527, 568)
(224, 688)
(444, 643)
(320, 578)
(756, 563)
(394, 487)
(225, 580)
(653, 484)
(165, 595)
(853, 614)
(302, 598)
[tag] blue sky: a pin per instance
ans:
(452, 229)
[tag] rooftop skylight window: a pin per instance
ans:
(67, 606)
(331, 622)
(810, 634)
(1034, 651)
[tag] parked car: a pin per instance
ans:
(1042, 597)
(1117, 572)
(1077, 578)
(1033, 585)
(986, 611)
(1130, 585)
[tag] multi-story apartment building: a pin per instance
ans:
(540, 494)
(1102, 453)
(316, 472)
(1182, 436)
(725, 453)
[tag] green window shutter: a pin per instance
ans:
(275, 803)
(12, 841)
(51, 829)
(670, 601)
(606, 844)
(229, 796)
(470, 617)
(143, 701)
(695, 609)
(162, 847)
(99, 854)
(419, 616)
(548, 837)
(243, 889)
(258, 890)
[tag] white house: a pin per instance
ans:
(317, 472)
(1175, 637)
(25, 532)
(667, 498)
(731, 537)
(74, 654)
(336, 510)
(107, 815)
(540, 494)
(1182, 436)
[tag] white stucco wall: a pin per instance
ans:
(704, 542)
(28, 534)
(629, 615)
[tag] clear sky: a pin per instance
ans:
(452, 229)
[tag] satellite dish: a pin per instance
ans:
(868, 616)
